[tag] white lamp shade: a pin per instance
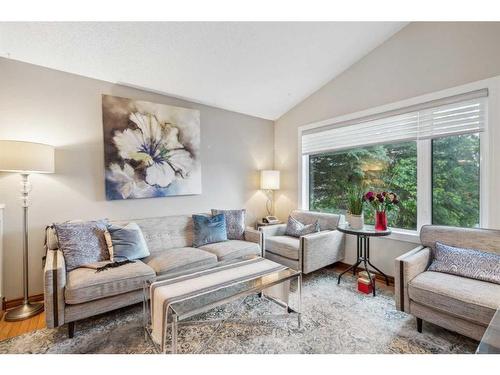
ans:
(26, 157)
(270, 180)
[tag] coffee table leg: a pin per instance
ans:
(174, 333)
(299, 292)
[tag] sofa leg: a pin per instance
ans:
(71, 329)
(419, 325)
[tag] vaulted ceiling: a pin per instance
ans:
(260, 69)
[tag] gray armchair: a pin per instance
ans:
(307, 253)
(456, 303)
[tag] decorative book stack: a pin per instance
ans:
(364, 283)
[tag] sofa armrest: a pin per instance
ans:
(252, 235)
(273, 230)
(54, 282)
(408, 266)
(320, 249)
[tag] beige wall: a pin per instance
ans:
(421, 58)
(49, 106)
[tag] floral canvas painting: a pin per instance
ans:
(151, 150)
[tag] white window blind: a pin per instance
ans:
(457, 115)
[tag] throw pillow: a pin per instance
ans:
(295, 228)
(82, 242)
(235, 223)
(128, 242)
(208, 229)
(470, 263)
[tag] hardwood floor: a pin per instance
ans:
(11, 329)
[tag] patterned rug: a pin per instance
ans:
(336, 319)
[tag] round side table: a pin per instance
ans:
(363, 249)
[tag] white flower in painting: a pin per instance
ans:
(157, 147)
(128, 186)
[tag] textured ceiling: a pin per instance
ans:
(260, 69)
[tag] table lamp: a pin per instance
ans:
(25, 158)
(269, 181)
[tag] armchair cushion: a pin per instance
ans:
(295, 228)
(85, 284)
(471, 263)
(232, 249)
(285, 246)
(473, 300)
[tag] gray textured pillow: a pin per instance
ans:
(235, 223)
(295, 228)
(128, 242)
(470, 263)
(82, 242)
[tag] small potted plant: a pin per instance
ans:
(382, 203)
(355, 209)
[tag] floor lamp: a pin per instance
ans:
(25, 158)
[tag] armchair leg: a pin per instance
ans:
(419, 325)
(71, 329)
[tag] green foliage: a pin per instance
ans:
(355, 201)
(393, 167)
(455, 181)
(379, 168)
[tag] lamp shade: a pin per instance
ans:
(26, 157)
(269, 180)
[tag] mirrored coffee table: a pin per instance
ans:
(490, 343)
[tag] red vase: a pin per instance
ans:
(380, 220)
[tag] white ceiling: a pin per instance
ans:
(260, 69)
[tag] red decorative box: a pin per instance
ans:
(364, 286)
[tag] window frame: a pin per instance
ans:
(424, 155)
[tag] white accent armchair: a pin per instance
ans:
(307, 253)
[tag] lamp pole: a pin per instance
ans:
(27, 309)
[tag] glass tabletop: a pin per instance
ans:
(490, 343)
(213, 298)
(367, 230)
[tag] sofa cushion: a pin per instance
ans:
(235, 223)
(85, 284)
(180, 259)
(232, 249)
(465, 298)
(208, 229)
(285, 246)
(82, 242)
(128, 242)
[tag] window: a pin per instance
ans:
(430, 152)
(455, 180)
(384, 167)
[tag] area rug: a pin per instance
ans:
(336, 319)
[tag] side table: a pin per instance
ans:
(259, 224)
(363, 249)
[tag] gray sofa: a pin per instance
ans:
(310, 252)
(456, 303)
(81, 293)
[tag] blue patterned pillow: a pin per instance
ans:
(208, 229)
(235, 223)
(470, 263)
(295, 228)
(128, 242)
